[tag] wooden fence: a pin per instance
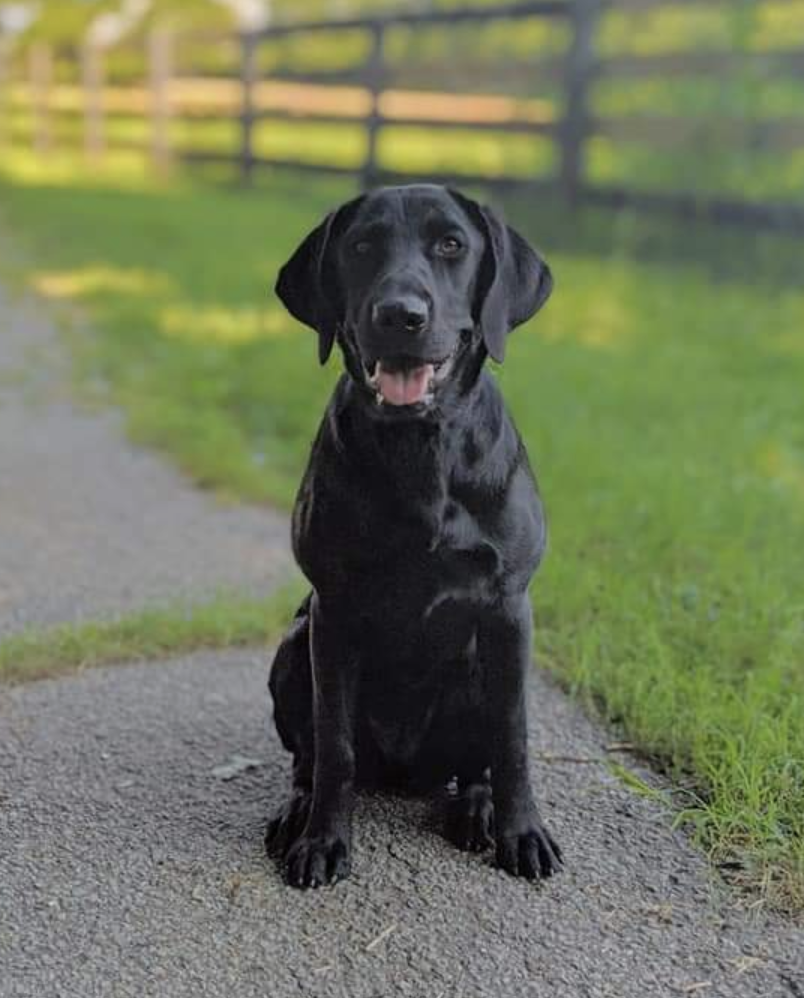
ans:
(376, 93)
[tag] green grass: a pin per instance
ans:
(224, 622)
(659, 395)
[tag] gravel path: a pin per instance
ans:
(91, 525)
(130, 867)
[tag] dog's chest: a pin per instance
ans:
(421, 588)
(448, 543)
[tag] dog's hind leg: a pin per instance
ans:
(292, 691)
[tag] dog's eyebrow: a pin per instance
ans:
(436, 219)
(390, 215)
(371, 227)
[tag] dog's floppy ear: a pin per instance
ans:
(308, 284)
(513, 281)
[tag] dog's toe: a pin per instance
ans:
(316, 862)
(534, 854)
(470, 818)
(287, 824)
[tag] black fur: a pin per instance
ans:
(419, 527)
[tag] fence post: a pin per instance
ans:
(160, 69)
(92, 78)
(375, 80)
(40, 68)
(248, 78)
(580, 67)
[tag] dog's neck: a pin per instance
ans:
(426, 459)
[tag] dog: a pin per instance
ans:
(419, 525)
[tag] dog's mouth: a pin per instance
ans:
(406, 381)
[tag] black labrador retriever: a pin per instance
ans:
(418, 524)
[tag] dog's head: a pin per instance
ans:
(417, 284)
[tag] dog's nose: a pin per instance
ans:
(407, 314)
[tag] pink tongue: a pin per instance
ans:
(405, 387)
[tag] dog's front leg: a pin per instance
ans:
(524, 847)
(322, 853)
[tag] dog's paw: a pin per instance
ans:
(288, 823)
(469, 819)
(314, 861)
(533, 854)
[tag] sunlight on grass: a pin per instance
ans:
(666, 28)
(791, 344)
(784, 467)
(679, 27)
(778, 24)
(336, 144)
(99, 278)
(419, 149)
(222, 325)
(68, 168)
(604, 323)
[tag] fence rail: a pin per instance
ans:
(378, 93)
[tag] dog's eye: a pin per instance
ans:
(449, 246)
(362, 247)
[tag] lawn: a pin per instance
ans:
(660, 397)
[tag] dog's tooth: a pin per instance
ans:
(379, 398)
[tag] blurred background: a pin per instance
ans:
(683, 105)
(160, 159)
